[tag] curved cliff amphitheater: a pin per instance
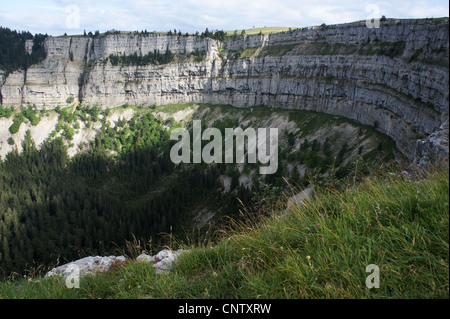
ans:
(395, 78)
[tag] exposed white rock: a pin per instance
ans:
(226, 181)
(203, 217)
(146, 258)
(298, 199)
(436, 145)
(162, 261)
(39, 133)
(87, 265)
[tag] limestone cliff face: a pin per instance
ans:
(394, 77)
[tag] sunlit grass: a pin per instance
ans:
(263, 30)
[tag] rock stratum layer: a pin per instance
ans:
(395, 77)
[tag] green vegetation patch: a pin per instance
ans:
(325, 48)
(29, 113)
(277, 50)
(390, 49)
(242, 53)
(155, 58)
(6, 111)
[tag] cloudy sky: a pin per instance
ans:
(57, 17)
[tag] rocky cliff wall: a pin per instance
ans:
(394, 77)
(417, 33)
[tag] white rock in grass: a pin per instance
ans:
(162, 261)
(86, 265)
(145, 258)
(300, 198)
(165, 259)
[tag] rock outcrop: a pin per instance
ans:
(162, 262)
(87, 265)
(298, 199)
(434, 147)
(394, 77)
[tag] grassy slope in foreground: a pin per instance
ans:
(318, 251)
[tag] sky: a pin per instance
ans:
(56, 17)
